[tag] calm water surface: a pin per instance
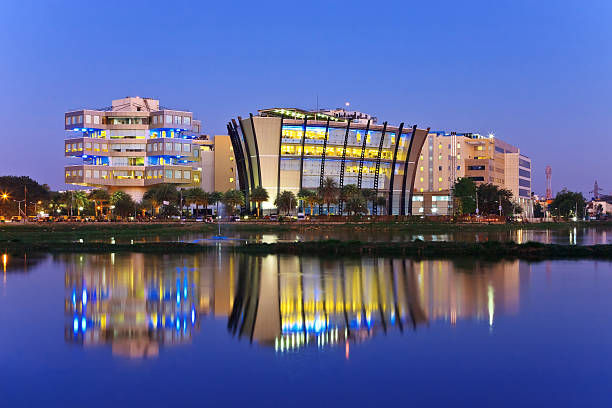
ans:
(234, 330)
(591, 235)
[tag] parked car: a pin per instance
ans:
(301, 217)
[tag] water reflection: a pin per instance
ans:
(138, 303)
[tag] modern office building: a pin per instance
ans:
(131, 145)
(447, 156)
(290, 149)
(218, 164)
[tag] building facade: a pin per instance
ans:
(447, 156)
(218, 164)
(293, 149)
(131, 145)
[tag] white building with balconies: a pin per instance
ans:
(132, 145)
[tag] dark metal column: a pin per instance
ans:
(363, 146)
(377, 172)
(342, 163)
(403, 196)
(322, 175)
(248, 159)
(398, 137)
(302, 153)
(243, 181)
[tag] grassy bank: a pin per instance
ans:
(420, 249)
(70, 232)
(417, 249)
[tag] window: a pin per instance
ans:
(148, 148)
(104, 174)
(186, 120)
(187, 174)
(476, 167)
(88, 173)
(440, 179)
(231, 180)
(177, 120)
(96, 120)
(80, 172)
(168, 119)
(87, 118)
(168, 146)
(476, 178)
(67, 120)
(524, 163)
(154, 147)
(421, 179)
(417, 198)
(96, 174)
(168, 174)
(80, 118)
(524, 183)
(499, 149)
(524, 173)
(439, 168)
(421, 168)
(177, 147)
(186, 147)
(155, 120)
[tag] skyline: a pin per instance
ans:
(526, 73)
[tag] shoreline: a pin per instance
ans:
(492, 250)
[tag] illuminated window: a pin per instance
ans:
(155, 120)
(168, 119)
(231, 180)
(168, 174)
(96, 119)
(168, 146)
(440, 179)
(421, 168)
(458, 145)
(67, 120)
(421, 192)
(88, 173)
(186, 174)
(177, 120)
(186, 120)
(87, 118)
(439, 146)
(421, 180)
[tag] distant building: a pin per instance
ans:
(218, 164)
(131, 145)
(447, 156)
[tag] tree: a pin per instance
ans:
(99, 197)
(198, 197)
(310, 197)
(159, 193)
(232, 199)
(356, 205)
(259, 195)
(489, 196)
(381, 202)
(329, 192)
(369, 195)
(464, 191)
(568, 204)
(80, 200)
(123, 203)
(285, 201)
(215, 198)
(18, 189)
(538, 211)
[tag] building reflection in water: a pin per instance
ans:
(137, 302)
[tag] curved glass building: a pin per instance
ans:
(290, 149)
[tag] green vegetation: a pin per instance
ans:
(421, 249)
(233, 199)
(567, 204)
(285, 202)
(258, 196)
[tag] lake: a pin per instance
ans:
(228, 329)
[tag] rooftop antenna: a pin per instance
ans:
(596, 191)
(548, 183)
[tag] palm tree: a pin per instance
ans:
(369, 195)
(356, 205)
(381, 202)
(99, 197)
(259, 195)
(160, 193)
(348, 192)
(198, 197)
(310, 197)
(123, 203)
(215, 198)
(285, 201)
(232, 199)
(80, 200)
(329, 192)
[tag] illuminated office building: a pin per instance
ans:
(447, 156)
(131, 145)
(291, 149)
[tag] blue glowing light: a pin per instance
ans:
(83, 325)
(192, 317)
(178, 323)
(84, 297)
(74, 296)
(75, 325)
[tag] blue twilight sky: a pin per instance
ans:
(536, 73)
